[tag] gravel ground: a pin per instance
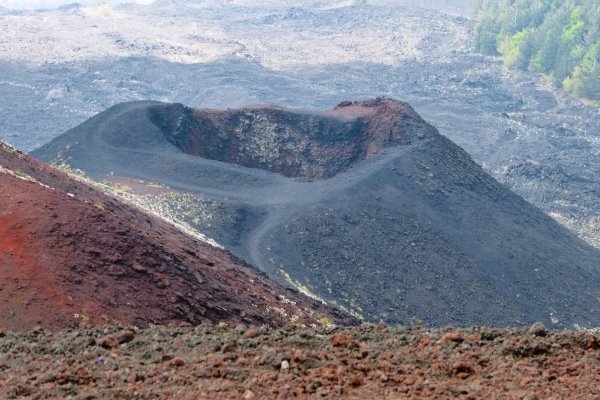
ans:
(239, 362)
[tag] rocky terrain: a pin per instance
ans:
(406, 228)
(72, 257)
(218, 54)
(342, 363)
(61, 67)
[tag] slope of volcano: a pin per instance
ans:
(71, 256)
(366, 205)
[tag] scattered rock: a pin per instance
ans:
(138, 267)
(248, 395)
(381, 326)
(355, 380)
(108, 342)
(250, 334)
(538, 329)
(37, 330)
(116, 270)
(178, 362)
(126, 336)
(341, 340)
(285, 365)
(454, 336)
(462, 370)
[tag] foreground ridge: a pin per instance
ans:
(71, 256)
(260, 362)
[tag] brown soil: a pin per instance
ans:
(367, 362)
(71, 256)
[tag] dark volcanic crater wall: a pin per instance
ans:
(312, 145)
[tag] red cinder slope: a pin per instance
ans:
(71, 256)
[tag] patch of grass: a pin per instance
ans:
(25, 176)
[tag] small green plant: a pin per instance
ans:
(223, 324)
(99, 206)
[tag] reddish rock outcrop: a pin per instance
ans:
(71, 256)
(316, 145)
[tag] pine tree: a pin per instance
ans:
(546, 57)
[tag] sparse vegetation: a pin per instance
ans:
(25, 176)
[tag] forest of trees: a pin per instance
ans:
(559, 38)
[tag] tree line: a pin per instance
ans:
(559, 38)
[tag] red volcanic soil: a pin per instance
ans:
(71, 256)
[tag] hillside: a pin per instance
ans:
(72, 257)
(410, 231)
(220, 54)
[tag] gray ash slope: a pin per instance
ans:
(413, 232)
(535, 139)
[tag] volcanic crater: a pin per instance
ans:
(316, 145)
(366, 206)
